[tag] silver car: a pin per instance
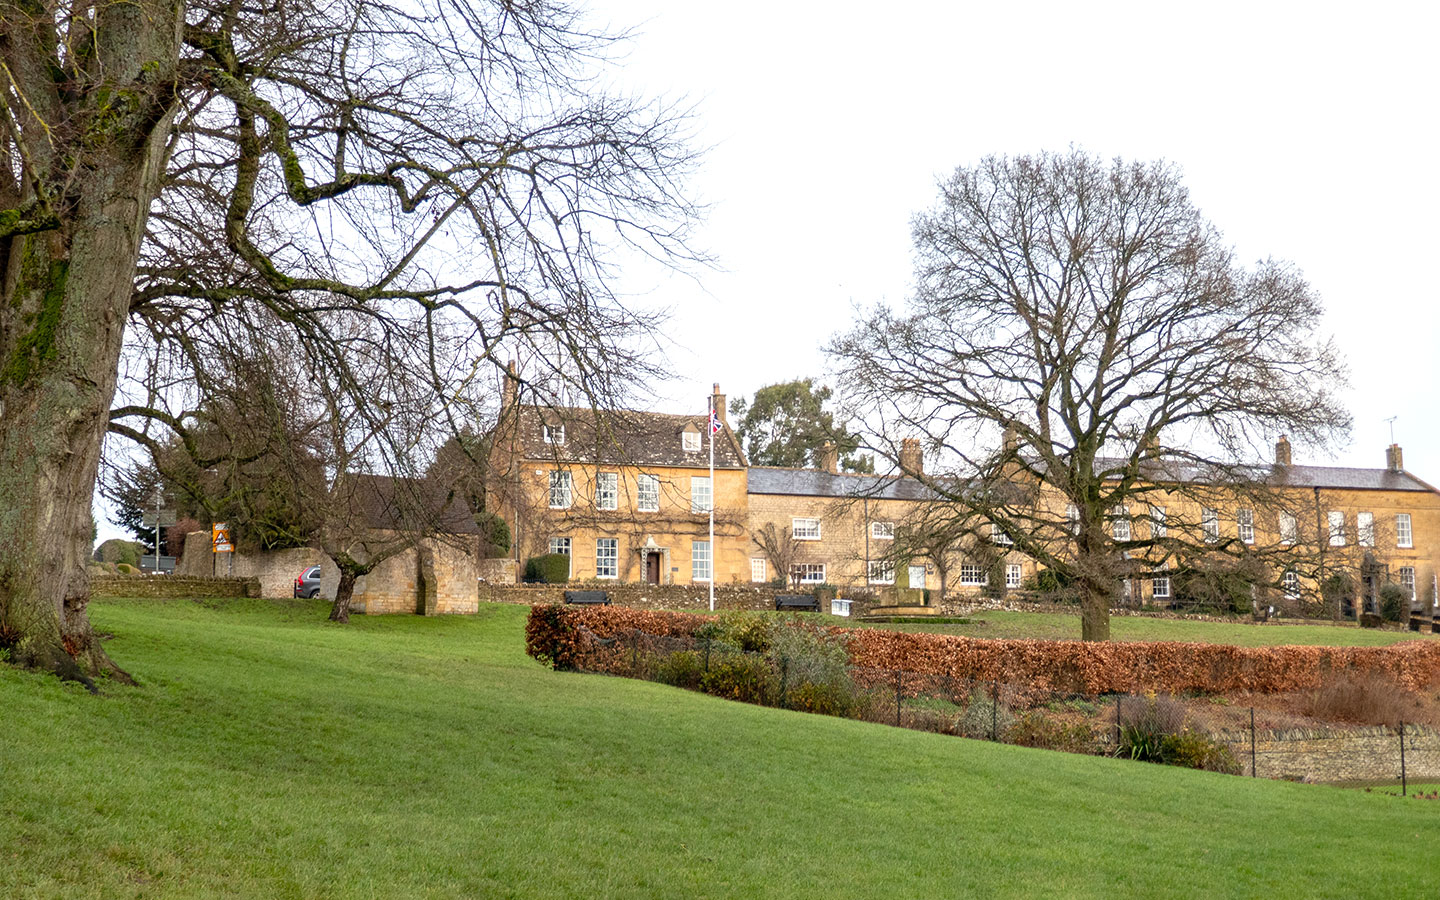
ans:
(308, 583)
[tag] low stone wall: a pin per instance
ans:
(498, 570)
(275, 569)
(1363, 755)
(638, 596)
(172, 586)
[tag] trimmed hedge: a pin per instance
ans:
(1065, 666)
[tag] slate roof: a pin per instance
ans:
(1336, 477)
(813, 483)
(402, 504)
(623, 437)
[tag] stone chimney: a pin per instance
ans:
(912, 461)
(510, 387)
(1393, 460)
(717, 399)
(829, 458)
(1010, 441)
(1282, 451)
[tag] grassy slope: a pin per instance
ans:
(1064, 626)
(270, 754)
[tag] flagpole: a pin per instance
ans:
(710, 427)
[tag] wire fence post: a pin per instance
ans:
(1252, 742)
(1404, 787)
(1119, 698)
(634, 652)
(897, 697)
(994, 711)
(784, 679)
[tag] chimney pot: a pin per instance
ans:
(1282, 451)
(829, 458)
(1394, 461)
(912, 461)
(717, 403)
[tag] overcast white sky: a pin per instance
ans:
(1305, 132)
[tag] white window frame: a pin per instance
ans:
(1014, 576)
(1120, 523)
(1336, 521)
(690, 441)
(972, 574)
(805, 528)
(1289, 528)
(1210, 523)
(702, 494)
(607, 490)
(561, 546)
(1407, 580)
(1072, 515)
(1157, 522)
(1245, 525)
(999, 537)
(758, 570)
(880, 571)
(647, 493)
(1160, 587)
(702, 566)
(562, 489)
(810, 573)
(1290, 584)
(881, 531)
(553, 434)
(607, 558)
(1365, 529)
(1404, 533)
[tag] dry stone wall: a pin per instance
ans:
(172, 586)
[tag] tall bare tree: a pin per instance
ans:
(449, 169)
(1088, 313)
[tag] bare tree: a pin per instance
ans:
(1070, 315)
(448, 169)
(781, 548)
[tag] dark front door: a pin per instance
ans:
(652, 568)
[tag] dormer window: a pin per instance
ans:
(553, 434)
(690, 441)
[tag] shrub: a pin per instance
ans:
(747, 632)
(550, 635)
(1339, 592)
(495, 534)
(1035, 730)
(1144, 730)
(1361, 699)
(984, 717)
(126, 569)
(739, 677)
(1228, 588)
(1198, 751)
(682, 668)
(825, 699)
(1393, 599)
(549, 568)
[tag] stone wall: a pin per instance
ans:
(276, 569)
(500, 570)
(172, 586)
(650, 596)
(435, 578)
(1363, 755)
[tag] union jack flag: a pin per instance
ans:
(715, 425)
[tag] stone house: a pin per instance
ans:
(626, 495)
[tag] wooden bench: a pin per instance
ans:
(796, 602)
(587, 598)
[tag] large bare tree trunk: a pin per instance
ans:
(340, 609)
(96, 156)
(1094, 611)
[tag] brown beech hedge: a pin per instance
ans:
(554, 635)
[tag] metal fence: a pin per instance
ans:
(1246, 740)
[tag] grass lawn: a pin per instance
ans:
(1066, 626)
(270, 754)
